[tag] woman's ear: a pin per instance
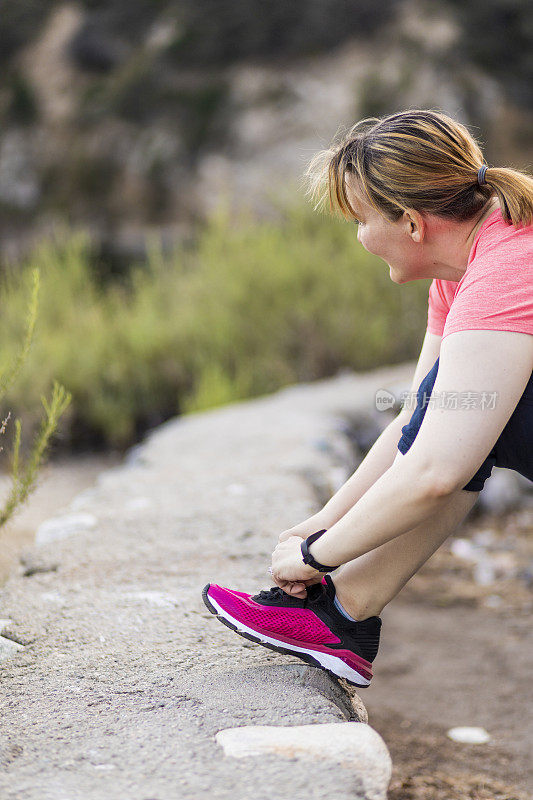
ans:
(414, 225)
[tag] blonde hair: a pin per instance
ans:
(417, 159)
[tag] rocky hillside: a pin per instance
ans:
(124, 117)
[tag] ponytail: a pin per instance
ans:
(514, 190)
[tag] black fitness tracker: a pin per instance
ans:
(308, 558)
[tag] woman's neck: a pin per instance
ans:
(451, 259)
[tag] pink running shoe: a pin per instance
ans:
(312, 629)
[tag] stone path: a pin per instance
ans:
(122, 678)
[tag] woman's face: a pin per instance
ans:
(398, 243)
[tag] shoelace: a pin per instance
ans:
(276, 594)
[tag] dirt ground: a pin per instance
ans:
(457, 650)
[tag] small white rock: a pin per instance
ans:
(469, 735)
(463, 548)
(502, 492)
(61, 527)
(8, 648)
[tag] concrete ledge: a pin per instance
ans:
(117, 679)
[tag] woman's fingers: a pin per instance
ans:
(287, 534)
(294, 588)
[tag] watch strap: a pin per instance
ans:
(308, 558)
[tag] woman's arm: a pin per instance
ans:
(378, 459)
(451, 445)
(384, 450)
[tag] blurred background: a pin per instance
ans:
(151, 161)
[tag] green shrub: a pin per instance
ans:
(251, 307)
(23, 472)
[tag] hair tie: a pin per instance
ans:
(481, 175)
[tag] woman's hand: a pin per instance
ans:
(304, 529)
(288, 569)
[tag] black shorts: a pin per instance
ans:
(513, 449)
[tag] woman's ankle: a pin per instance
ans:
(359, 607)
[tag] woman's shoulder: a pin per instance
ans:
(496, 290)
(500, 241)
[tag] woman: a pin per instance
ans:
(416, 186)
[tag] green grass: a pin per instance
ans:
(253, 306)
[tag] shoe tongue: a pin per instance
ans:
(315, 591)
(329, 586)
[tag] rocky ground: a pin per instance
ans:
(457, 646)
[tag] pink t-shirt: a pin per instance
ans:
(496, 291)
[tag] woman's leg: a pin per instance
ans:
(365, 585)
